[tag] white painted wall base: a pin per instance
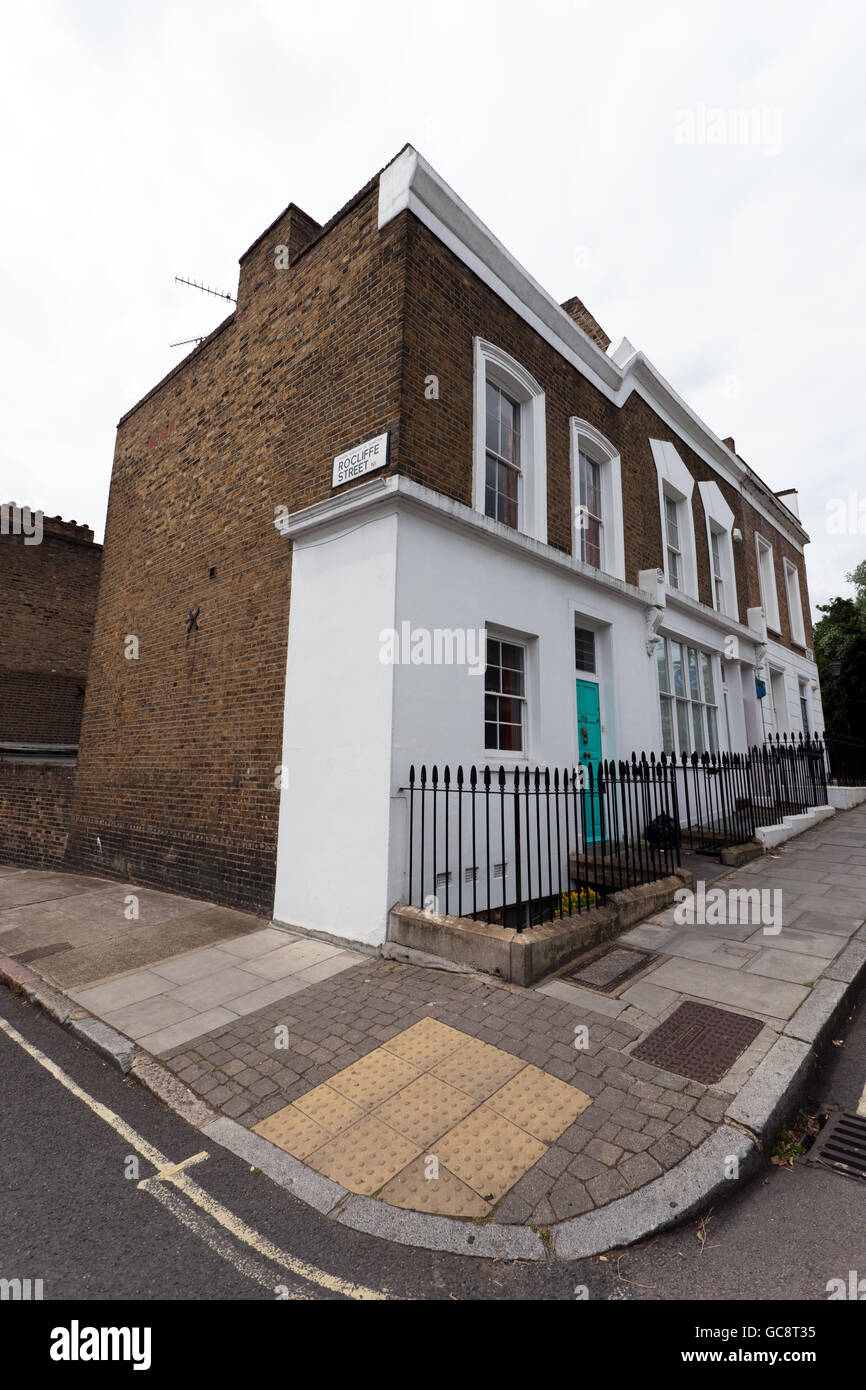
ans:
(772, 835)
(844, 798)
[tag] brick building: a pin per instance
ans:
(399, 432)
(49, 581)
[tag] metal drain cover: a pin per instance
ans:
(37, 952)
(842, 1145)
(699, 1041)
(606, 972)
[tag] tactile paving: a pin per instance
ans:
(488, 1152)
(426, 1109)
(364, 1156)
(292, 1130)
(699, 1041)
(539, 1103)
(478, 1068)
(443, 1195)
(426, 1043)
(333, 1111)
(374, 1078)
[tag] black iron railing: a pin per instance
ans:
(521, 847)
(789, 774)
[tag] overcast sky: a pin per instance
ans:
(607, 146)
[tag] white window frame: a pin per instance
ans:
(504, 466)
(694, 708)
(795, 604)
(580, 624)
(717, 572)
(767, 582)
(587, 439)
(720, 522)
(777, 681)
(805, 700)
(675, 481)
(495, 365)
(509, 757)
(675, 568)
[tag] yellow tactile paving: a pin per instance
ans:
(334, 1112)
(426, 1043)
(539, 1103)
(293, 1131)
(444, 1195)
(364, 1156)
(478, 1068)
(374, 1078)
(425, 1109)
(488, 1152)
(430, 1092)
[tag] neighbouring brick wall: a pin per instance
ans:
(46, 625)
(447, 306)
(35, 806)
(40, 708)
(180, 747)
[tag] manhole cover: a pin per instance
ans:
(611, 969)
(37, 952)
(699, 1041)
(842, 1145)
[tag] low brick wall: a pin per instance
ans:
(35, 809)
(523, 958)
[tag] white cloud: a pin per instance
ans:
(146, 141)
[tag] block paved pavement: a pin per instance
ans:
(366, 1069)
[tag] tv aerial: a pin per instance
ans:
(206, 289)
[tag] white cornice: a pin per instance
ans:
(411, 183)
(386, 495)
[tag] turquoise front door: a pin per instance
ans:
(589, 745)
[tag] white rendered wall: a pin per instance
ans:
(332, 854)
(797, 668)
(447, 579)
(354, 725)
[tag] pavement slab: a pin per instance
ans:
(448, 1108)
(722, 985)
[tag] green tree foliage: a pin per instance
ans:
(841, 636)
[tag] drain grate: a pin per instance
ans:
(699, 1041)
(607, 971)
(37, 952)
(842, 1145)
